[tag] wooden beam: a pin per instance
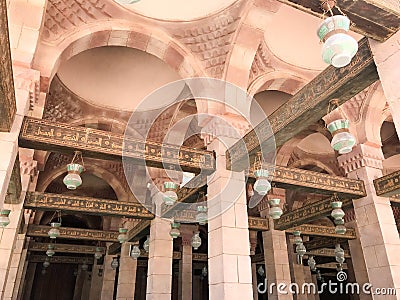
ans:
(134, 234)
(61, 259)
(378, 20)
(323, 242)
(310, 181)
(331, 265)
(306, 107)
(326, 252)
(48, 201)
(8, 107)
(325, 231)
(308, 213)
(388, 185)
(50, 136)
(65, 248)
(74, 233)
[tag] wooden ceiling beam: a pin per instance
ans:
(324, 231)
(388, 186)
(59, 137)
(378, 20)
(87, 205)
(73, 233)
(65, 248)
(306, 107)
(75, 260)
(308, 213)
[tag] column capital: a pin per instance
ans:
(363, 155)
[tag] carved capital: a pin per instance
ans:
(363, 155)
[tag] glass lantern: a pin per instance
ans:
(98, 253)
(297, 238)
(337, 212)
(4, 217)
(340, 228)
(201, 216)
(170, 196)
(174, 232)
(50, 250)
(262, 186)
(301, 250)
(115, 263)
(275, 212)
(312, 263)
(54, 231)
(135, 252)
(122, 237)
(73, 179)
(196, 240)
(146, 244)
(46, 263)
(343, 141)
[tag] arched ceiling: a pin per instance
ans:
(176, 10)
(293, 38)
(118, 78)
(316, 143)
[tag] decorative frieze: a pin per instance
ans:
(61, 259)
(48, 201)
(308, 213)
(45, 135)
(325, 231)
(74, 233)
(388, 185)
(326, 252)
(306, 107)
(293, 178)
(65, 248)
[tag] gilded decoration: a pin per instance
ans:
(45, 135)
(48, 201)
(307, 106)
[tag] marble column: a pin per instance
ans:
(229, 265)
(127, 274)
(159, 274)
(95, 287)
(107, 289)
(379, 237)
(387, 57)
(276, 253)
(185, 264)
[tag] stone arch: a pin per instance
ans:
(100, 172)
(48, 57)
(281, 81)
(314, 162)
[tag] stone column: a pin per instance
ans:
(185, 264)
(80, 280)
(296, 269)
(255, 283)
(387, 57)
(95, 287)
(276, 252)
(357, 257)
(107, 290)
(379, 237)
(127, 274)
(159, 274)
(13, 270)
(28, 282)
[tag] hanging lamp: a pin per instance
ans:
(46, 263)
(146, 244)
(170, 196)
(135, 251)
(98, 254)
(196, 240)
(4, 217)
(262, 186)
(342, 140)
(297, 238)
(50, 250)
(339, 47)
(115, 263)
(73, 179)
(174, 232)
(122, 237)
(275, 212)
(312, 263)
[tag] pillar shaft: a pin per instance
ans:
(95, 287)
(255, 283)
(387, 56)
(127, 275)
(107, 290)
(185, 264)
(379, 237)
(159, 274)
(229, 262)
